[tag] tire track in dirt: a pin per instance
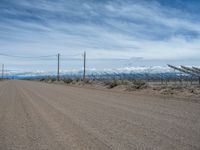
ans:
(46, 116)
(154, 132)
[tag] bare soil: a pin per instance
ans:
(41, 116)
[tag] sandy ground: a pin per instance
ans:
(40, 116)
(179, 91)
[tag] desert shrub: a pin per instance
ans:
(111, 83)
(68, 80)
(53, 79)
(42, 79)
(137, 84)
(87, 81)
(77, 79)
(106, 82)
(47, 79)
(125, 82)
(167, 91)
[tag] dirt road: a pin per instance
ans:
(39, 116)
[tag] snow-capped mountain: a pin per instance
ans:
(90, 71)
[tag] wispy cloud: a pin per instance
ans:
(105, 29)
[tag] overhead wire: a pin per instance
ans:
(44, 56)
(73, 55)
(19, 56)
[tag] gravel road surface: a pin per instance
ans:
(40, 116)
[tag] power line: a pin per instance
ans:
(44, 57)
(18, 56)
(73, 55)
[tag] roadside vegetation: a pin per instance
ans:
(128, 84)
(3, 79)
(177, 89)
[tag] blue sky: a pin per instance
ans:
(147, 29)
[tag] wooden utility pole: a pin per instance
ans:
(84, 66)
(2, 71)
(58, 68)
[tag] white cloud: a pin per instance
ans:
(113, 29)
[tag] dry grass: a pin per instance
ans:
(182, 90)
